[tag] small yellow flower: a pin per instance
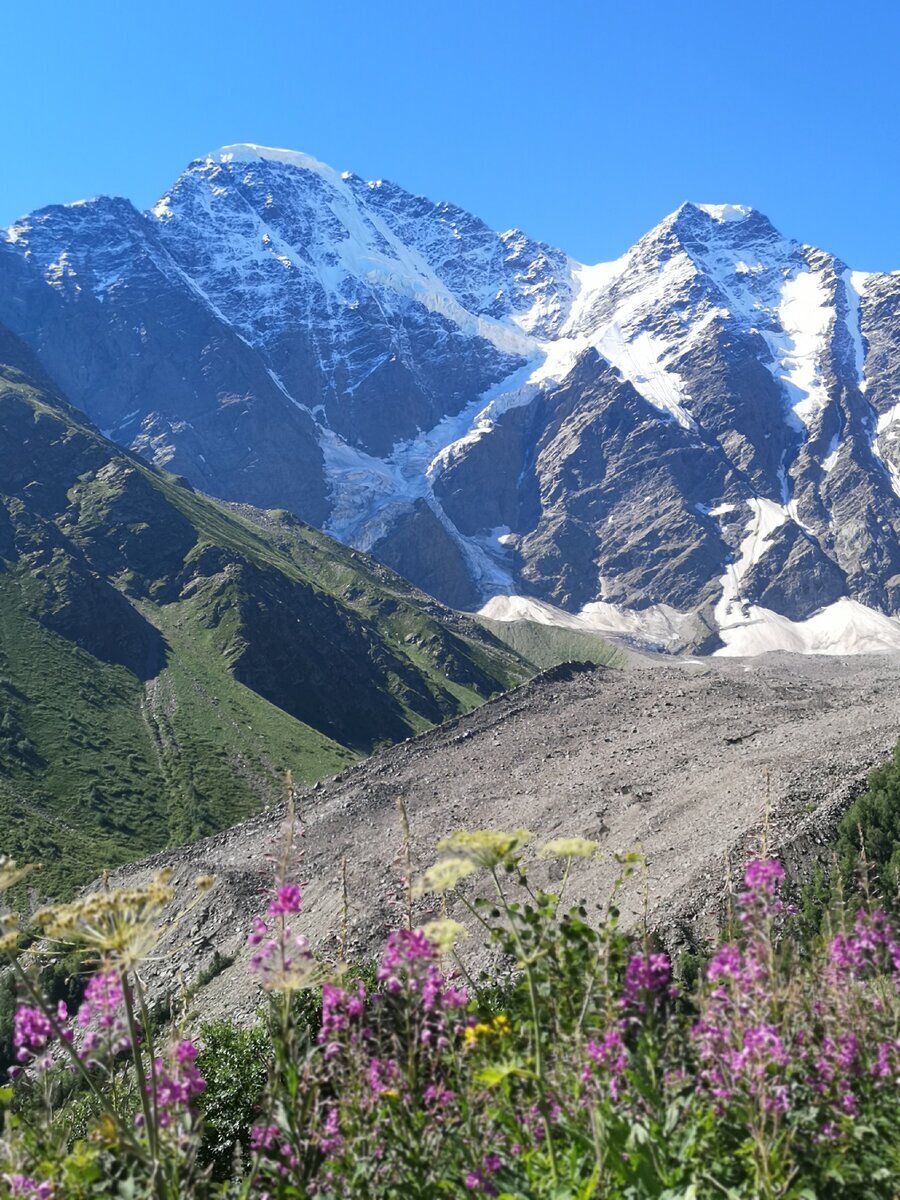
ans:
(569, 847)
(486, 847)
(472, 1033)
(391, 1094)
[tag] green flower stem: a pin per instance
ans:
(528, 967)
(48, 1012)
(141, 1075)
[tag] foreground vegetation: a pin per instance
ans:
(582, 1070)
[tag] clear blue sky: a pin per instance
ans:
(582, 121)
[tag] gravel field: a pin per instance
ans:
(688, 760)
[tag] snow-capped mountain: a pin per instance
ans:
(696, 444)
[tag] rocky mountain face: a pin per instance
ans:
(696, 445)
(165, 658)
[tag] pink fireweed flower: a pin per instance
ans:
(872, 948)
(480, 1179)
(24, 1188)
(263, 1137)
(646, 979)
(611, 1056)
(339, 1009)
(282, 961)
(410, 964)
(32, 1033)
(178, 1081)
(287, 900)
(764, 875)
(438, 1096)
(330, 1139)
(102, 1028)
(887, 1061)
(382, 1076)
(762, 899)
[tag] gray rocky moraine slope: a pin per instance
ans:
(679, 759)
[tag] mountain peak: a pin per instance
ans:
(723, 213)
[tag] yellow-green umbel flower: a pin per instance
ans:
(569, 847)
(444, 934)
(444, 875)
(486, 847)
(121, 926)
(11, 874)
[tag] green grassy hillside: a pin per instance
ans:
(165, 658)
(549, 645)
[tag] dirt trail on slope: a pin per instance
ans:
(681, 760)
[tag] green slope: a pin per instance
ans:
(165, 658)
(549, 645)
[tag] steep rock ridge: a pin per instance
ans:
(351, 319)
(127, 336)
(696, 444)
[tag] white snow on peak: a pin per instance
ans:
(725, 212)
(247, 152)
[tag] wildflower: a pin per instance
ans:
(887, 1062)
(437, 1096)
(763, 879)
(404, 946)
(611, 1055)
(330, 1139)
(645, 976)
(263, 1137)
(177, 1082)
(486, 848)
(569, 847)
(101, 1018)
(444, 875)
(9, 933)
(381, 1076)
(10, 874)
(32, 1034)
(444, 934)
(282, 960)
(287, 900)
(764, 875)
(28, 1189)
(121, 926)
(498, 1027)
(338, 1008)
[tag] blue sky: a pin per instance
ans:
(582, 122)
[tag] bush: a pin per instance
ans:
(234, 1063)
